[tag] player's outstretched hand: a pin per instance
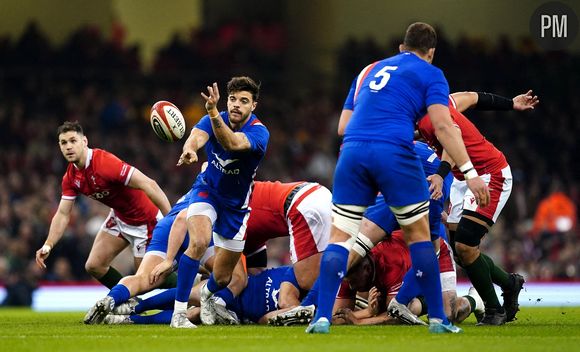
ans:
(160, 270)
(480, 191)
(436, 186)
(41, 256)
(187, 157)
(526, 101)
(211, 100)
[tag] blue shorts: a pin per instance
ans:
(230, 222)
(161, 237)
(381, 214)
(365, 168)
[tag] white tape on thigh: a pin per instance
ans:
(347, 218)
(408, 214)
(363, 245)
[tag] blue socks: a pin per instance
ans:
(162, 301)
(212, 285)
(120, 294)
(159, 318)
(186, 273)
(227, 295)
(332, 271)
(410, 288)
(426, 270)
(312, 296)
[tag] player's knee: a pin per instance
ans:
(197, 246)
(95, 269)
(468, 237)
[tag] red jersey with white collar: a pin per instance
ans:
(105, 178)
(486, 158)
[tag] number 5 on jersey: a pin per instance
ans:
(384, 78)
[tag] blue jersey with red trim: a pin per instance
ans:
(389, 96)
(231, 174)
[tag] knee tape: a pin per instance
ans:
(469, 232)
(363, 245)
(347, 218)
(408, 214)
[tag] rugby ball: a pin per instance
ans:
(167, 121)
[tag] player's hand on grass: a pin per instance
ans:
(526, 101)
(436, 186)
(344, 316)
(160, 270)
(188, 156)
(480, 191)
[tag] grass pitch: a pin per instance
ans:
(537, 329)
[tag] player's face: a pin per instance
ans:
(240, 106)
(72, 145)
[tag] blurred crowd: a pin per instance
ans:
(100, 82)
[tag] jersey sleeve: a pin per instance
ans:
(258, 136)
(115, 170)
(437, 91)
(68, 191)
(205, 125)
(349, 102)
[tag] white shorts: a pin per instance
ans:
(138, 236)
(460, 197)
(229, 244)
(309, 221)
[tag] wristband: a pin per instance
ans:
(443, 169)
(489, 101)
(470, 174)
(468, 170)
(45, 249)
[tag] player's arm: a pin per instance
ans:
(196, 140)
(57, 226)
(140, 181)
(174, 242)
(436, 180)
(229, 140)
(345, 116)
(451, 140)
(494, 102)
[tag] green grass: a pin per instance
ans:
(538, 329)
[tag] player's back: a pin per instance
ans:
(390, 95)
(267, 218)
(261, 294)
(484, 155)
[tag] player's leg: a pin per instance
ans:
(105, 248)
(227, 259)
(201, 217)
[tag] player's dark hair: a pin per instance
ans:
(69, 126)
(420, 37)
(246, 84)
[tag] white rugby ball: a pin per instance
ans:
(167, 121)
